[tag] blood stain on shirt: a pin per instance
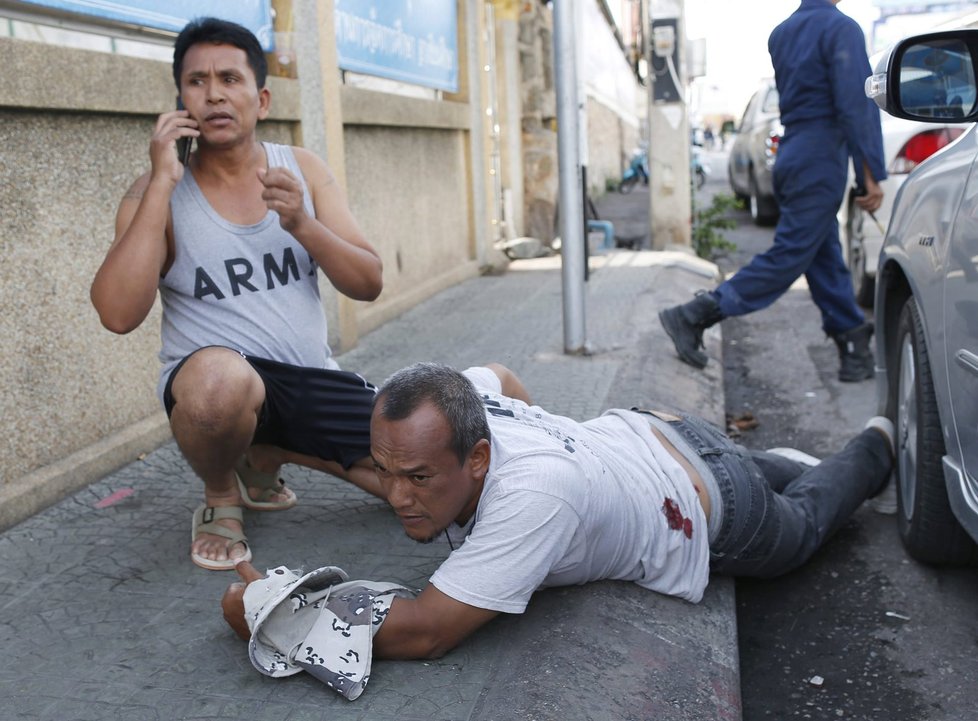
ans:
(675, 518)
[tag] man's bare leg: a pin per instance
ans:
(217, 397)
(361, 474)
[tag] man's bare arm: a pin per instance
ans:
(333, 237)
(512, 386)
(124, 287)
(428, 626)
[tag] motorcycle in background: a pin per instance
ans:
(700, 172)
(638, 169)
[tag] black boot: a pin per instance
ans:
(685, 325)
(855, 356)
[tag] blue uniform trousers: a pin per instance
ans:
(809, 184)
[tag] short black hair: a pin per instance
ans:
(217, 31)
(449, 391)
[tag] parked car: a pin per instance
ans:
(752, 154)
(906, 144)
(926, 307)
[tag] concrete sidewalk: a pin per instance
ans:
(102, 615)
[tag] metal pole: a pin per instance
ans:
(570, 200)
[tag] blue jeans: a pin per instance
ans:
(777, 512)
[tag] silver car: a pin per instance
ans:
(755, 147)
(927, 300)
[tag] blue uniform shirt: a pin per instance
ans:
(820, 67)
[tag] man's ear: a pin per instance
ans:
(264, 102)
(479, 458)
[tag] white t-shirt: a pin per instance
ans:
(565, 503)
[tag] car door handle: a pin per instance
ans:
(967, 360)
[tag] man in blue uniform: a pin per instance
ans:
(820, 67)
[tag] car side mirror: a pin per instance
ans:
(931, 78)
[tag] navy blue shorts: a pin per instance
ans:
(313, 411)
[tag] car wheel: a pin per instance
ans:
(762, 208)
(927, 526)
(733, 187)
(863, 284)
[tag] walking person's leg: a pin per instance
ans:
(802, 200)
(755, 286)
(842, 320)
(830, 284)
(809, 185)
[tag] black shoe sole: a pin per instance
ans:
(856, 379)
(865, 375)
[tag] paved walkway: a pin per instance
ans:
(102, 615)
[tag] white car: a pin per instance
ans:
(906, 144)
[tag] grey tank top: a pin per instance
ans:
(251, 288)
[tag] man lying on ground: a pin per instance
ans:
(528, 499)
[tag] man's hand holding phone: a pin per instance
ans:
(172, 135)
(184, 142)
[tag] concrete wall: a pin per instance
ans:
(615, 100)
(539, 120)
(611, 139)
(615, 109)
(408, 187)
(509, 114)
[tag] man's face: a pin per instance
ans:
(219, 89)
(425, 484)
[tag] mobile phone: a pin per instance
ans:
(184, 143)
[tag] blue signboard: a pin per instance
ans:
(172, 15)
(414, 41)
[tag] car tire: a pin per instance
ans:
(863, 284)
(763, 210)
(745, 199)
(926, 524)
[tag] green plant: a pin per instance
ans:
(708, 240)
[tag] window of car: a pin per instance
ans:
(748, 111)
(771, 99)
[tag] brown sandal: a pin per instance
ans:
(205, 521)
(270, 484)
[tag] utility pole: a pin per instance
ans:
(670, 208)
(570, 198)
